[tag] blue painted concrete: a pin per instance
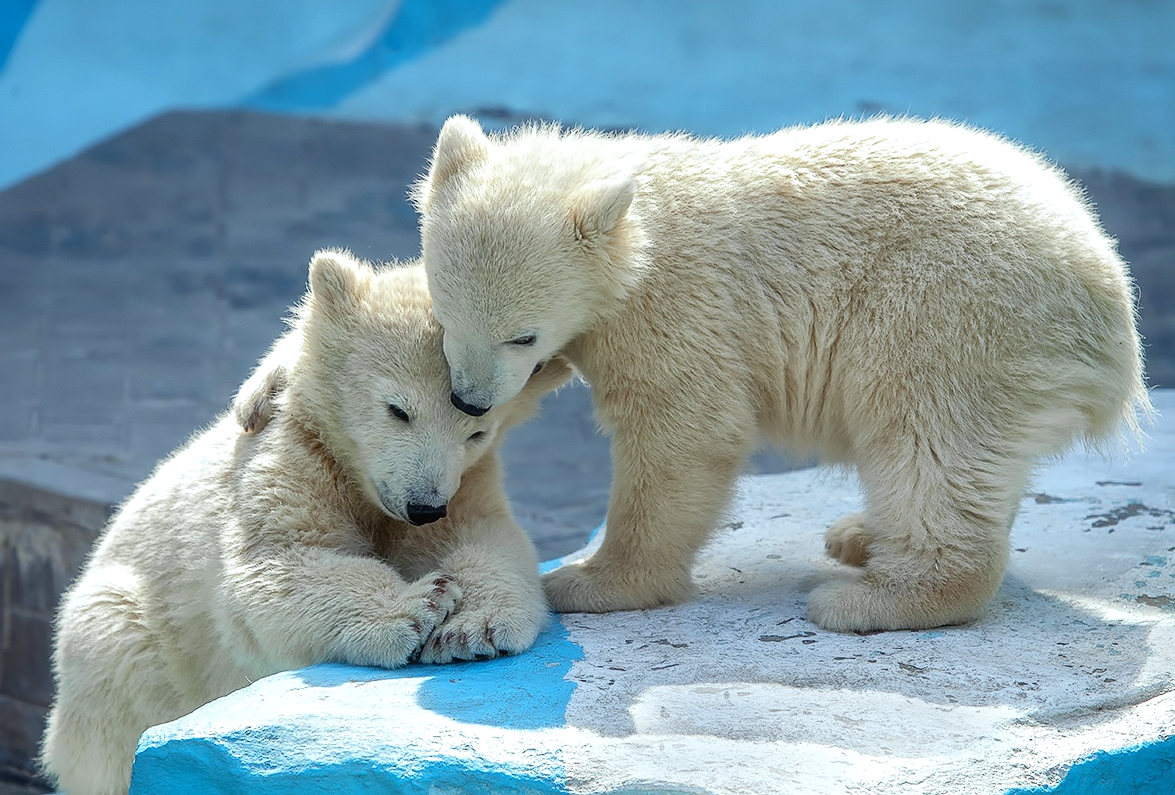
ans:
(1092, 84)
(80, 72)
(1143, 770)
(294, 751)
(200, 765)
(13, 16)
(416, 27)
(525, 691)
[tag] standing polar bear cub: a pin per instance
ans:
(925, 302)
(366, 525)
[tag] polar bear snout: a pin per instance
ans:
(469, 408)
(419, 514)
(417, 506)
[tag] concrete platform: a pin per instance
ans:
(1065, 684)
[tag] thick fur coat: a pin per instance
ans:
(250, 553)
(927, 303)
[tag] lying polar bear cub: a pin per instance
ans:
(366, 525)
(927, 303)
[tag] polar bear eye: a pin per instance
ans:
(397, 412)
(524, 340)
(477, 436)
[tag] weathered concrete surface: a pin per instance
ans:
(736, 692)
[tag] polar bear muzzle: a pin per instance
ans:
(425, 514)
(471, 410)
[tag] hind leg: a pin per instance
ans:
(934, 541)
(111, 685)
(87, 755)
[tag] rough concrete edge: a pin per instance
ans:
(1147, 769)
(201, 759)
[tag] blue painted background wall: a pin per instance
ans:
(1092, 83)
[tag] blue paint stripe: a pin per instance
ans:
(14, 15)
(417, 27)
(1142, 770)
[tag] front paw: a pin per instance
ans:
(424, 605)
(482, 630)
(580, 588)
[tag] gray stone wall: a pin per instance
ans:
(44, 539)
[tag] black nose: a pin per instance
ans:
(423, 514)
(472, 411)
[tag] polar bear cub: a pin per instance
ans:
(367, 525)
(925, 302)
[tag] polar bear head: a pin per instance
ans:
(372, 383)
(527, 241)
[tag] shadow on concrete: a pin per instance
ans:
(522, 691)
(1031, 656)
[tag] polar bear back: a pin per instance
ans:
(902, 262)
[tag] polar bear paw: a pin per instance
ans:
(483, 631)
(582, 588)
(424, 606)
(848, 540)
(861, 603)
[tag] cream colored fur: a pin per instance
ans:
(927, 303)
(247, 554)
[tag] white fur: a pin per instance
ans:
(247, 554)
(928, 303)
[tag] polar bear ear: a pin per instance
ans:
(598, 208)
(460, 144)
(336, 281)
